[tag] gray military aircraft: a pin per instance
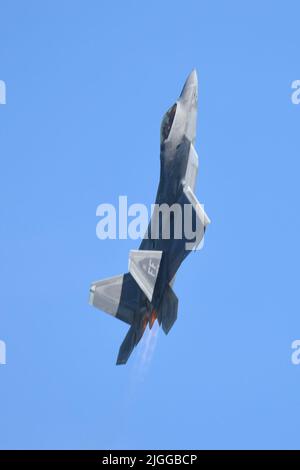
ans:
(145, 293)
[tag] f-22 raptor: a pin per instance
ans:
(145, 293)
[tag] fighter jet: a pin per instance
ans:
(145, 292)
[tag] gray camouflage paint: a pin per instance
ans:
(145, 293)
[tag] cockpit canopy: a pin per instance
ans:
(167, 122)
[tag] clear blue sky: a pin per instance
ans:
(87, 85)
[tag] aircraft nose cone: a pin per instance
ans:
(190, 87)
(192, 79)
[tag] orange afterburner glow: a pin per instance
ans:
(152, 318)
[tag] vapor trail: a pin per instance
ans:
(146, 351)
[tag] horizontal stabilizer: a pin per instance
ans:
(144, 267)
(127, 346)
(167, 312)
(118, 296)
(106, 294)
